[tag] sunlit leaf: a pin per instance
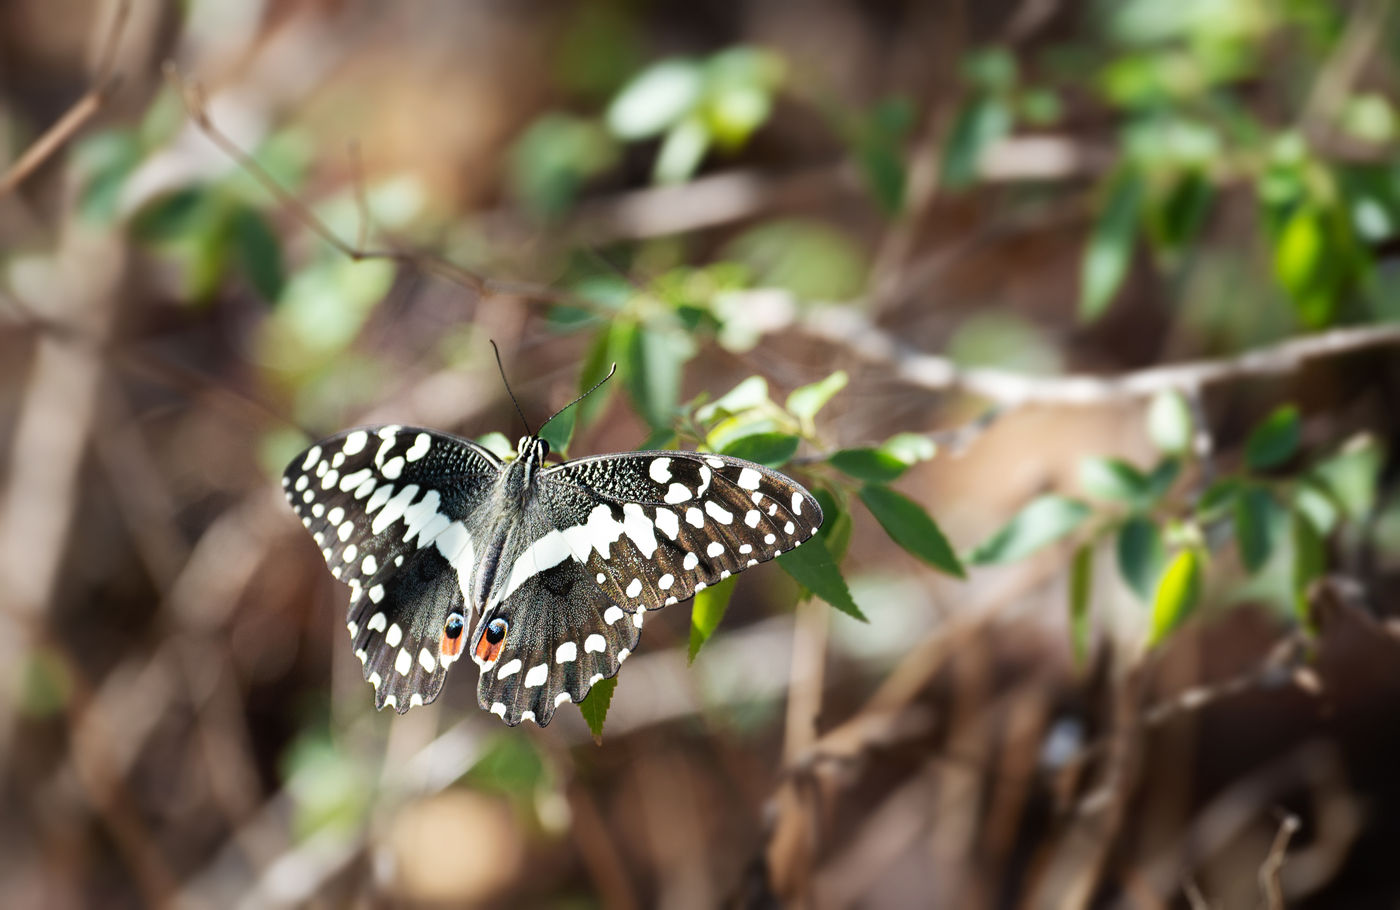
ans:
(1169, 422)
(1110, 248)
(769, 449)
(871, 465)
(910, 526)
(1042, 522)
(1275, 440)
(706, 612)
(682, 150)
(751, 393)
(812, 567)
(497, 444)
(806, 401)
(910, 448)
(1113, 479)
(1081, 578)
(659, 96)
(595, 704)
(1309, 559)
(1141, 555)
(653, 375)
(1352, 474)
(1178, 594)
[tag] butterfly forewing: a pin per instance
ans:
(394, 512)
(673, 523)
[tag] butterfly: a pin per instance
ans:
(541, 573)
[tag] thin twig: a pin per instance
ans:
(1273, 863)
(848, 327)
(192, 95)
(104, 83)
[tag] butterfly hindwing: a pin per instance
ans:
(563, 635)
(394, 511)
(675, 522)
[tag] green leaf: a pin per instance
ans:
(1043, 521)
(979, 125)
(559, 430)
(496, 443)
(595, 704)
(910, 448)
(1314, 500)
(1177, 595)
(749, 394)
(1218, 498)
(836, 524)
(1160, 481)
(1113, 479)
(769, 449)
(1352, 474)
(681, 152)
(1309, 559)
(1110, 249)
(1141, 555)
(812, 567)
(911, 527)
(1081, 578)
(1169, 422)
(1175, 217)
(871, 465)
(653, 374)
(660, 96)
(706, 611)
(259, 252)
(596, 364)
(879, 149)
(1252, 521)
(1275, 440)
(806, 401)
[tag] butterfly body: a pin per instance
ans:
(541, 574)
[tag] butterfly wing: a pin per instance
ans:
(680, 520)
(606, 539)
(395, 513)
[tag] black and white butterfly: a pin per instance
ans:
(542, 574)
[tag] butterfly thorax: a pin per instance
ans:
(516, 488)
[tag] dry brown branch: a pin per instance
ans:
(1273, 863)
(104, 83)
(848, 327)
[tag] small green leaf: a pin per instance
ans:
(1218, 498)
(1275, 440)
(682, 149)
(911, 527)
(979, 125)
(1352, 474)
(910, 448)
(1177, 595)
(871, 465)
(836, 524)
(706, 611)
(1081, 578)
(749, 394)
(807, 400)
(1169, 422)
(1314, 500)
(1309, 559)
(496, 443)
(1141, 555)
(559, 430)
(769, 449)
(1043, 521)
(595, 704)
(653, 374)
(1160, 481)
(812, 567)
(1252, 522)
(1110, 249)
(1113, 479)
(660, 96)
(596, 364)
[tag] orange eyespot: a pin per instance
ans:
(452, 640)
(488, 648)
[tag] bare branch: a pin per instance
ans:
(1273, 863)
(104, 83)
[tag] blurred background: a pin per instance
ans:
(1104, 633)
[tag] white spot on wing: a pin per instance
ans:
(351, 481)
(595, 679)
(719, 513)
(421, 442)
(566, 652)
(355, 442)
(623, 654)
(752, 518)
(660, 470)
(509, 669)
(378, 622)
(612, 614)
(425, 660)
(415, 700)
(393, 467)
(639, 529)
(350, 553)
(561, 698)
(694, 517)
(536, 676)
(690, 561)
(303, 482)
(769, 539)
(376, 594)
(498, 709)
(665, 582)
(370, 565)
(749, 479)
(668, 523)
(393, 509)
(676, 493)
(404, 662)
(393, 636)
(634, 588)
(595, 642)
(313, 455)
(789, 528)
(714, 549)
(796, 503)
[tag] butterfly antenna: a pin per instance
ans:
(506, 382)
(584, 395)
